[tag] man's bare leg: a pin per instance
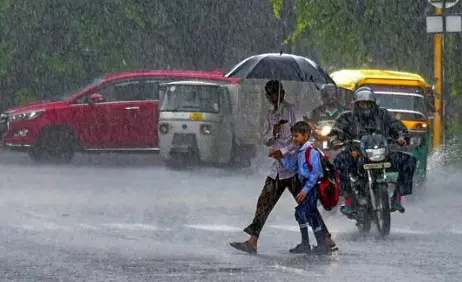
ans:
(269, 196)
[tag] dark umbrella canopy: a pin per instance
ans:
(281, 67)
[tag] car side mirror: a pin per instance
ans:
(96, 98)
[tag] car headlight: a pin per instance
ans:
(206, 129)
(25, 115)
(163, 128)
(376, 155)
(326, 130)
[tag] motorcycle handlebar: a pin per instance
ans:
(356, 141)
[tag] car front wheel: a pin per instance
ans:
(55, 145)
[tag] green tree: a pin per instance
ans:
(377, 34)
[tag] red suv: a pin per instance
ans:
(118, 112)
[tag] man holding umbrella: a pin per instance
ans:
(276, 135)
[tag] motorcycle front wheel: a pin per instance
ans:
(383, 210)
(363, 220)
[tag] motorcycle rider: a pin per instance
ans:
(366, 115)
(330, 108)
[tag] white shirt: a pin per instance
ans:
(284, 142)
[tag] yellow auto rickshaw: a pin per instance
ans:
(407, 96)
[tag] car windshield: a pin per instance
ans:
(187, 98)
(71, 91)
(401, 102)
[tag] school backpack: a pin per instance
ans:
(328, 185)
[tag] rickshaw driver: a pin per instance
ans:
(330, 108)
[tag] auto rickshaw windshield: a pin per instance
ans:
(187, 98)
(411, 102)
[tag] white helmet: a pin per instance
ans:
(365, 94)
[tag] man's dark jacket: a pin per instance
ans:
(353, 125)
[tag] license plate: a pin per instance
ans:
(377, 165)
(183, 139)
(415, 141)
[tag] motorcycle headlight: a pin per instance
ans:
(25, 115)
(325, 130)
(376, 155)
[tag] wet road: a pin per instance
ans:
(123, 218)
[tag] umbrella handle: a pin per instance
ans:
(279, 102)
(281, 122)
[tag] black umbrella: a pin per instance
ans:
(282, 67)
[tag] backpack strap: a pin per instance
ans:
(308, 159)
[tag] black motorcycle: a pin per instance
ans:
(369, 183)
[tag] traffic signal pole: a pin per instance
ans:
(438, 122)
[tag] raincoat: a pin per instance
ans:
(354, 125)
(380, 121)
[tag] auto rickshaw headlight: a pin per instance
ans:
(206, 129)
(163, 128)
(420, 126)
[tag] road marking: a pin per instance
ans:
(293, 228)
(134, 227)
(90, 227)
(218, 228)
(409, 231)
(297, 271)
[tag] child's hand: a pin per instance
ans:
(277, 154)
(301, 196)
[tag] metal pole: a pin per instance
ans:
(443, 96)
(437, 71)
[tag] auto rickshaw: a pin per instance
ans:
(196, 122)
(408, 97)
